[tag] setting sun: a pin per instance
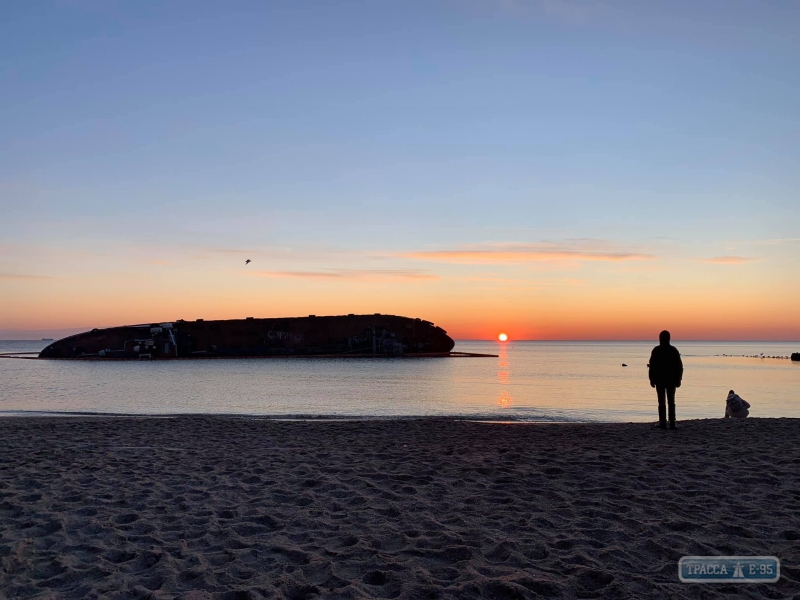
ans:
(502, 337)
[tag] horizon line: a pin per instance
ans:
(620, 340)
(527, 340)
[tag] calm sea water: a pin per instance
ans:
(560, 381)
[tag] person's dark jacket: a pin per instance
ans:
(666, 367)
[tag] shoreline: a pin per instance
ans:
(223, 506)
(485, 419)
(478, 418)
(334, 418)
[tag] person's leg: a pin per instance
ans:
(671, 404)
(662, 406)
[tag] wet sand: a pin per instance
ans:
(217, 507)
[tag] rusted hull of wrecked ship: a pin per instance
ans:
(350, 335)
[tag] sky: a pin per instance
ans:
(552, 169)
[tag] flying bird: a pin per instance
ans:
(247, 262)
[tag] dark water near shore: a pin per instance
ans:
(561, 381)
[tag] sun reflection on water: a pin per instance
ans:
(504, 376)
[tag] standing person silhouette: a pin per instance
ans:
(666, 372)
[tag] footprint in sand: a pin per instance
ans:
(375, 578)
(126, 518)
(119, 556)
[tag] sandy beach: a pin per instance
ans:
(217, 507)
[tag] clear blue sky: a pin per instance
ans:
(326, 134)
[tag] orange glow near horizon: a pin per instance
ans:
(560, 316)
(45, 308)
(629, 300)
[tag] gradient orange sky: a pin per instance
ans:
(571, 291)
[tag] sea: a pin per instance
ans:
(526, 381)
